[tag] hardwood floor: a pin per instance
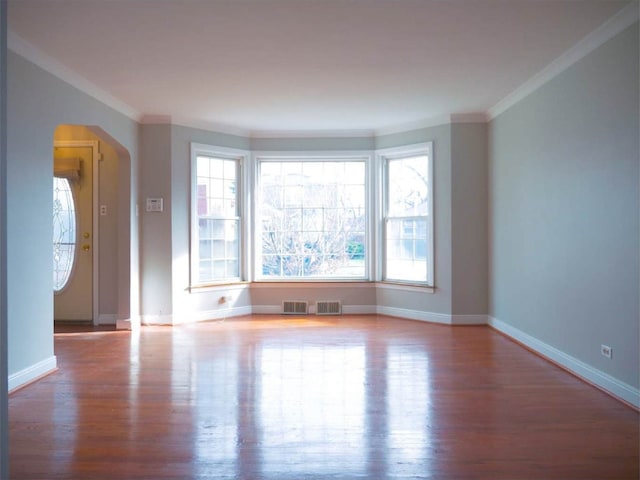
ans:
(269, 397)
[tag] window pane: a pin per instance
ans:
(205, 270)
(408, 186)
(64, 232)
(353, 196)
(217, 188)
(314, 171)
(322, 219)
(405, 251)
(203, 166)
(218, 249)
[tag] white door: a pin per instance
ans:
(74, 244)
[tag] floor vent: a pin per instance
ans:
(328, 308)
(295, 308)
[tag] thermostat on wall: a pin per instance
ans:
(154, 205)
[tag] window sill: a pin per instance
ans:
(359, 283)
(412, 287)
(240, 285)
(209, 287)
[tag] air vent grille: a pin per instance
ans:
(328, 308)
(292, 307)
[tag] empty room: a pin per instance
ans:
(346, 239)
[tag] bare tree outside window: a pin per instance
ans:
(312, 219)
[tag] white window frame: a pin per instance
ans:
(296, 156)
(383, 156)
(244, 233)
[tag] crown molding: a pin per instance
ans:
(469, 117)
(312, 134)
(155, 119)
(249, 134)
(626, 17)
(25, 49)
(208, 126)
(411, 126)
(472, 117)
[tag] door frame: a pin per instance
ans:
(95, 149)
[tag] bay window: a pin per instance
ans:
(329, 216)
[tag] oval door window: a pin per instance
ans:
(64, 232)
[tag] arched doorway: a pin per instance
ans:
(97, 169)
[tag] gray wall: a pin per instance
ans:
(564, 226)
(469, 218)
(37, 103)
(155, 227)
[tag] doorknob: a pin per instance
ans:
(86, 247)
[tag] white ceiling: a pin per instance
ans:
(305, 65)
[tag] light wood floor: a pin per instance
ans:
(281, 398)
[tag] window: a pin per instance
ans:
(329, 216)
(408, 215)
(216, 221)
(64, 232)
(311, 218)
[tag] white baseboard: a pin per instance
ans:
(266, 309)
(29, 374)
(432, 317)
(592, 375)
(414, 315)
(131, 323)
(202, 316)
(125, 324)
(156, 319)
(469, 320)
(218, 314)
(107, 319)
(359, 309)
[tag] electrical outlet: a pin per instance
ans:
(606, 351)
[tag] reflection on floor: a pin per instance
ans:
(268, 397)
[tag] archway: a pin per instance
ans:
(112, 209)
